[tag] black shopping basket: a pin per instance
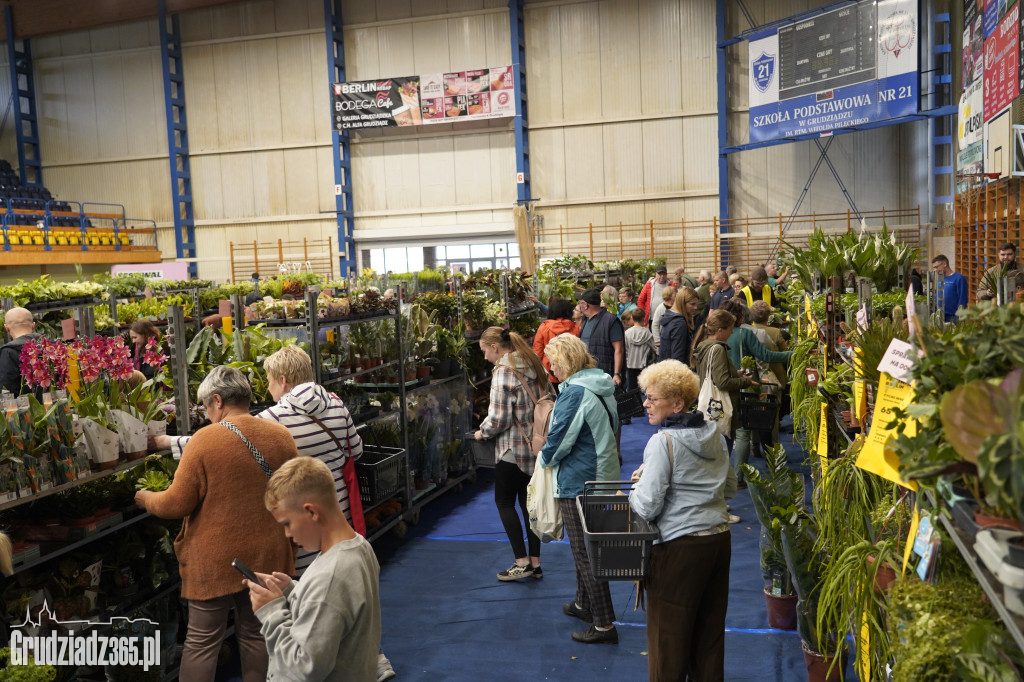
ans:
(630, 404)
(483, 450)
(618, 541)
(759, 415)
(379, 472)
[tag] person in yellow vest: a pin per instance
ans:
(759, 289)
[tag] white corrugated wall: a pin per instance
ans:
(622, 104)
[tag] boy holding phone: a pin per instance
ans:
(326, 626)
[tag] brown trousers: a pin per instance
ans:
(687, 596)
(207, 621)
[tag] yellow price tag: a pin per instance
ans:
(860, 395)
(226, 324)
(74, 375)
(915, 520)
(823, 439)
(877, 456)
(864, 647)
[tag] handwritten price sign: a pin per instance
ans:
(898, 360)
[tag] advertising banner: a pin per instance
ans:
(970, 118)
(1001, 67)
(843, 68)
(425, 99)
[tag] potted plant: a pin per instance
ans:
(779, 488)
(824, 658)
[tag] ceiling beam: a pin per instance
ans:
(33, 18)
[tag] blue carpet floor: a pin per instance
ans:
(447, 617)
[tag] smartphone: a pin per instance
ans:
(246, 571)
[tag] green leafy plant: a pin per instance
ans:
(30, 672)
(779, 488)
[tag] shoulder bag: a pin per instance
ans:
(256, 454)
(713, 401)
(348, 473)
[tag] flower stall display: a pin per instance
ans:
(111, 413)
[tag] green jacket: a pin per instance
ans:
(724, 373)
(745, 342)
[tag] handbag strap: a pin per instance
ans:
(256, 454)
(671, 456)
(330, 433)
(526, 387)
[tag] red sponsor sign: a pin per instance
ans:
(1001, 70)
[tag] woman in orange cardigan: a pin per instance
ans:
(218, 489)
(559, 322)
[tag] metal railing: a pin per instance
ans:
(710, 244)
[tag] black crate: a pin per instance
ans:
(759, 415)
(379, 471)
(630, 404)
(618, 541)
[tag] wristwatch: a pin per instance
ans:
(618, 374)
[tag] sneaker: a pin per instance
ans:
(733, 518)
(574, 611)
(594, 636)
(384, 669)
(538, 572)
(516, 572)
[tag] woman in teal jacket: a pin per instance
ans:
(581, 443)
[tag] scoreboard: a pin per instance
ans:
(828, 51)
(844, 67)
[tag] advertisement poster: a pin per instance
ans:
(425, 99)
(478, 94)
(1001, 66)
(969, 163)
(970, 117)
(377, 104)
(839, 69)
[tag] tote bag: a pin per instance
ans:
(541, 505)
(714, 402)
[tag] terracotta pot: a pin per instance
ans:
(986, 521)
(131, 456)
(885, 576)
(410, 375)
(422, 371)
(820, 668)
(781, 610)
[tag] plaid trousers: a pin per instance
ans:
(591, 594)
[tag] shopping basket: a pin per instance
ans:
(379, 472)
(759, 415)
(483, 450)
(630, 404)
(618, 541)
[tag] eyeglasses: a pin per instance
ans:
(650, 399)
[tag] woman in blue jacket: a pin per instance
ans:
(581, 443)
(682, 487)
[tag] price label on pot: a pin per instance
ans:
(898, 360)
(823, 439)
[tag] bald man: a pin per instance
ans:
(19, 325)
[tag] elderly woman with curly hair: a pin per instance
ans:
(682, 487)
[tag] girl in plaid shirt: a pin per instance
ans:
(519, 379)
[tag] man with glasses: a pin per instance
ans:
(759, 289)
(954, 288)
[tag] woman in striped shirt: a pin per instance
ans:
(318, 421)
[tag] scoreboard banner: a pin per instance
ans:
(425, 99)
(842, 68)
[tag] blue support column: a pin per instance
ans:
(522, 127)
(26, 125)
(177, 137)
(341, 143)
(943, 150)
(723, 109)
